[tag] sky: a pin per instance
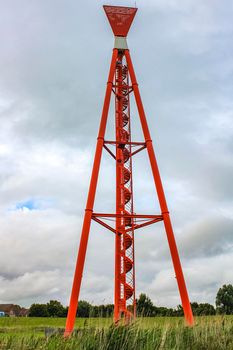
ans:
(54, 61)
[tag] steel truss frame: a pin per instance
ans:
(122, 82)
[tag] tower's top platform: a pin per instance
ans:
(120, 18)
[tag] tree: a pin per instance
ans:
(145, 306)
(52, 309)
(103, 310)
(163, 311)
(206, 309)
(224, 300)
(55, 309)
(194, 307)
(179, 312)
(203, 309)
(38, 310)
(84, 308)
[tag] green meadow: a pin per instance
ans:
(209, 332)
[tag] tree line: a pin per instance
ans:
(145, 307)
(55, 309)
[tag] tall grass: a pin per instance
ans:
(214, 333)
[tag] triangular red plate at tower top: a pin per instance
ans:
(120, 18)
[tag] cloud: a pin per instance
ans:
(204, 276)
(30, 285)
(209, 238)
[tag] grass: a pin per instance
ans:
(209, 333)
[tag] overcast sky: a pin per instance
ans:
(54, 61)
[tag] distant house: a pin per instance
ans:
(12, 310)
(24, 312)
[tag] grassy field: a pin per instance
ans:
(213, 333)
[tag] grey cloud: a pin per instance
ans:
(208, 238)
(203, 276)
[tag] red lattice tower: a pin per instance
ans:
(122, 83)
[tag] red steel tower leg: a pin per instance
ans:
(161, 196)
(90, 202)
